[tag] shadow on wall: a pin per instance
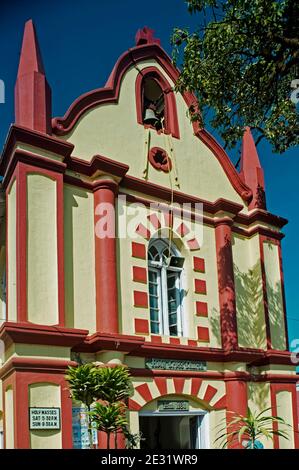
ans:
(250, 307)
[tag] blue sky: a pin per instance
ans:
(80, 42)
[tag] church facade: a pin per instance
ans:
(128, 236)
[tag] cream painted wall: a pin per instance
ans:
(128, 312)
(42, 277)
(112, 130)
(9, 419)
(249, 292)
(274, 296)
(259, 399)
(2, 285)
(285, 411)
(45, 395)
(12, 245)
(80, 303)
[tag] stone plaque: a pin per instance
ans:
(173, 405)
(175, 364)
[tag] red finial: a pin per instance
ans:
(252, 172)
(146, 36)
(32, 92)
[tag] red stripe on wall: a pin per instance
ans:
(210, 393)
(200, 286)
(196, 383)
(178, 384)
(198, 264)
(140, 299)
(138, 250)
(201, 309)
(144, 391)
(161, 385)
(203, 334)
(139, 274)
(143, 231)
(154, 220)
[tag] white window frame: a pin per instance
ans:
(162, 271)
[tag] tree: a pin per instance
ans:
(242, 64)
(109, 418)
(250, 428)
(82, 384)
(111, 386)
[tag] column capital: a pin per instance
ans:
(106, 183)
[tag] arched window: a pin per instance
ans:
(153, 103)
(165, 288)
(155, 98)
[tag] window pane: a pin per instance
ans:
(173, 302)
(154, 293)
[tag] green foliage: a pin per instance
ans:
(109, 418)
(112, 384)
(82, 383)
(240, 64)
(89, 383)
(250, 427)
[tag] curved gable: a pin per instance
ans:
(105, 121)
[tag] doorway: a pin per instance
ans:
(174, 430)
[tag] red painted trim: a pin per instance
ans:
(140, 299)
(156, 339)
(133, 405)
(200, 286)
(265, 295)
(174, 340)
(193, 244)
(198, 264)
(192, 343)
(195, 386)
(22, 171)
(138, 250)
(201, 309)
(106, 263)
(236, 400)
(143, 231)
(178, 383)
(36, 139)
(30, 333)
(274, 389)
(220, 404)
(23, 380)
(29, 364)
(139, 274)
(263, 231)
(203, 334)
(21, 235)
(144, 391)
(141, 326)
(183, 230)
(166, 165)
(161, 385)
(170, 111)
(154, 220)
(98, 163)
(210, 393)
(283, 297)
(260, 215)
(226, 285)
(110, 94)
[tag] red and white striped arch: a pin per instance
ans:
(212, 394)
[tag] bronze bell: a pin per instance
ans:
(150, 115)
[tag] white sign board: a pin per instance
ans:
(44, 418)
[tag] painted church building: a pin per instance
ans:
(127, 235)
